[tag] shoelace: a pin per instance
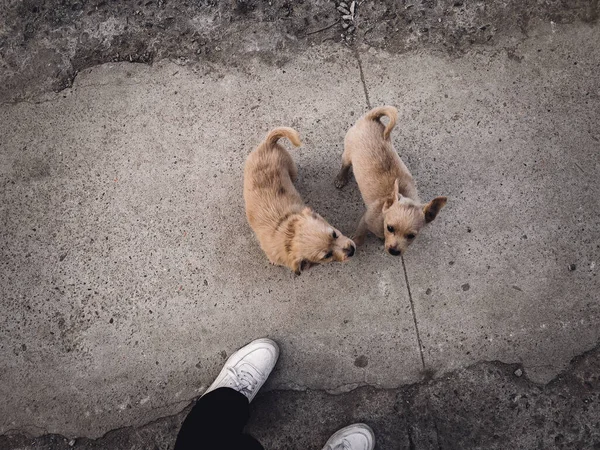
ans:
(245, 382)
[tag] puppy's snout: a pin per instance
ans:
(394, 251)
(350, 251)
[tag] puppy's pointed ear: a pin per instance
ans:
(393, 199)
(308, 212)
(432, 208)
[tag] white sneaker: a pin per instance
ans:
(248, 368)
(354, 437)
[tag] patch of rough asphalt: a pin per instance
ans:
(44, 43)
(486, 406)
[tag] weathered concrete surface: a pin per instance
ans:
(129, 272)
(486, 406)
(514, 140)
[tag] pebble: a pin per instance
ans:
(343, 10)
(344, 5)
(518, 372)
(347, 17)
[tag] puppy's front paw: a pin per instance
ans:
(359, 239)
(304, 265)
(340, 181)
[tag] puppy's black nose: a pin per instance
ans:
(350, 251)
(394, 251)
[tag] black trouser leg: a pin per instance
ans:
(217, 421)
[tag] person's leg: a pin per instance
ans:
(354, 437)
(218, 418)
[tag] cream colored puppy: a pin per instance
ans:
(290, 233)
(394, 211)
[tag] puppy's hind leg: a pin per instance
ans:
(344, 175)
(290, 165)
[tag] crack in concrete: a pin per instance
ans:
(362, 77)
(31, 102)
(23, 430)
(414, 315)
(74, 85)
(117, 83)
(412, 305)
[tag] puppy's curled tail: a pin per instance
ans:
(390, 112)
(277, 133)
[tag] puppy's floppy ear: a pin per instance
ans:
(432, 208)
(393, 199)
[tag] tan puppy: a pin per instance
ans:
(394, 211)
(290, 233)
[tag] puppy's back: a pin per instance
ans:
(268, 188)
(375, 163)
(370, 138)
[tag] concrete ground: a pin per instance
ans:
(129, 274)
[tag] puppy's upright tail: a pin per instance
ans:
(277, 133)
(390, 112)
